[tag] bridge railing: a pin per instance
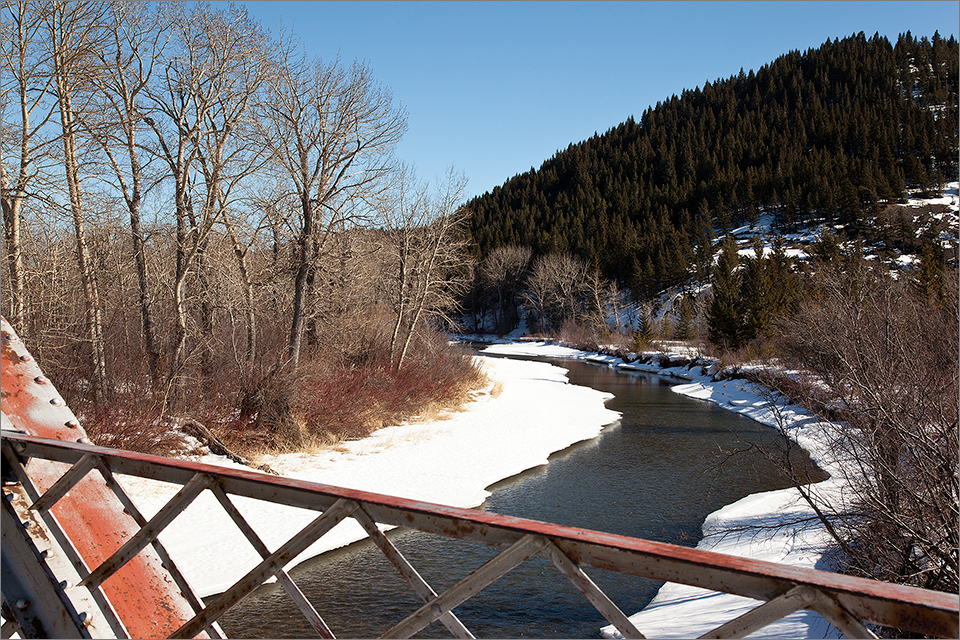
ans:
(853, 605)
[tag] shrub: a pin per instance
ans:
(331, 397)
(887, 359)
(129, 424)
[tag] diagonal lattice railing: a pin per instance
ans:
(852, 605)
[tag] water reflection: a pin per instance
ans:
(656, 474)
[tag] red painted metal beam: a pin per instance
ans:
(142, 594)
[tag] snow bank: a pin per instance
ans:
(453, 461)
(744, 529)
(772, 526)
(448, 462)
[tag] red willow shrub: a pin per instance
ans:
(351, 402)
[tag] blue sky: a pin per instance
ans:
(495, 88)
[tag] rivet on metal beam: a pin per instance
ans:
(25, 358)
(84, 441)
(22, 604)
(57, 402)
(40, 380)
(66, 584)
(72, 424)
(10, 337)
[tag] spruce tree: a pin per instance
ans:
(755, 295)
(684, 328)
(724, 319)
(930, 277)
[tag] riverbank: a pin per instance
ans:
(775, 526)
(535, 413)
(528, 412)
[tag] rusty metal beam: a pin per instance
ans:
(185, 589)
(90, 517)
(488, 573)
(594, 595)
(65, 483)
(409, 574)
(299, 599)
(36, 602)
(148, 533)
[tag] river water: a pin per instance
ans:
(656, 474)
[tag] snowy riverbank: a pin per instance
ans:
(679, 611)
(529, 413)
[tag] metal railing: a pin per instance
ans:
(850, 604)
(67, 519)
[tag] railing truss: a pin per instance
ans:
(852, 605)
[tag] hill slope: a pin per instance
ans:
(828, 135)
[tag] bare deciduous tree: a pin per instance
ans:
(888, 359)
(75, 32)
(426, 245)
(554, 290)
(134, 47)
(201, 103)
(330, 132)
(503, 271)
(26, 110)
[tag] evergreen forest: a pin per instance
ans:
(829, 135)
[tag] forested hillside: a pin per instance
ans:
(827, 135)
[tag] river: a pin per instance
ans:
(656, 474)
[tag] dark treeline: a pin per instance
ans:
(826, 135)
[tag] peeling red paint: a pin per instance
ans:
(90, 514)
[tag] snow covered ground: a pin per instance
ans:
(680, 611)
(531, 413)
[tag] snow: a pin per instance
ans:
(452, 461)
(446, 461)
(537, 412)
(680, 611)
(773, 526)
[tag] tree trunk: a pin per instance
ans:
(13, 253)
(240, 253)
(91, 294)
(148, 324)
(300, 286)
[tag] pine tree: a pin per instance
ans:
(644, 333)
(755, 294)
(724, 319)
(684, 328)
(929, 277)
